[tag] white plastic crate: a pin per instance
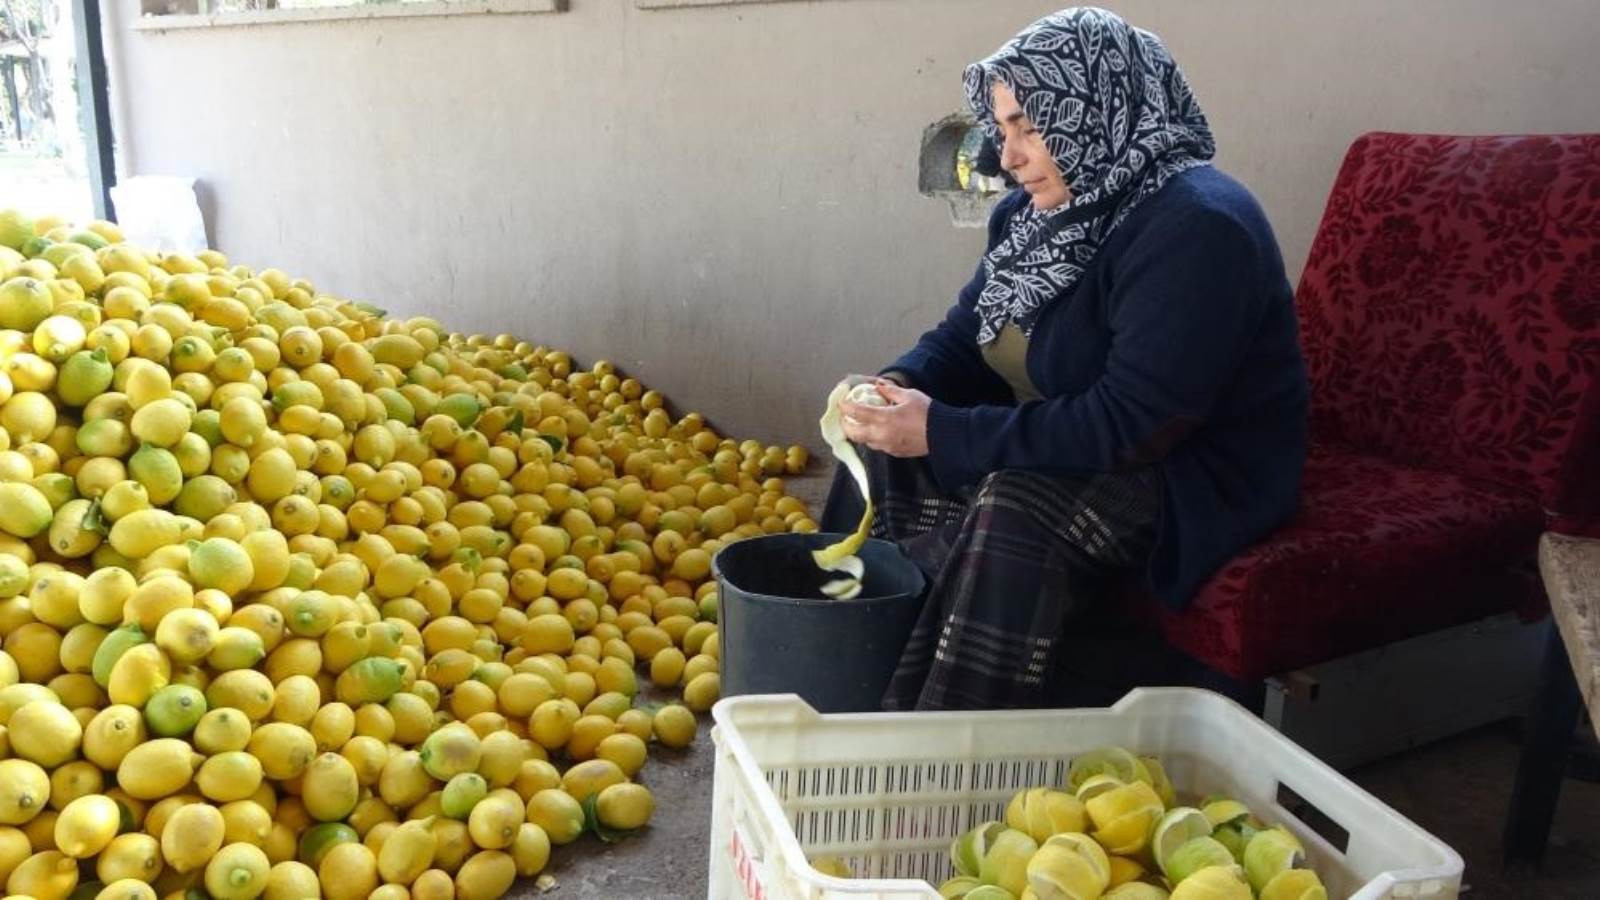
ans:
(888, 792)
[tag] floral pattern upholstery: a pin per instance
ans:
(1450, 316)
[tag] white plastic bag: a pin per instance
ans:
(160, 212)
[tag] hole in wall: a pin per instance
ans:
(949, 169)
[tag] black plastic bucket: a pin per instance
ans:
(779, 635)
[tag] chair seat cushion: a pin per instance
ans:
(1379, 552)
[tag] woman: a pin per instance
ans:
(1118, 390)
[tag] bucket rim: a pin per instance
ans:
(922, 579)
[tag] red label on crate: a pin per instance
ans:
(745, 867)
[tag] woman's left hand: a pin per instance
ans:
(900, 429)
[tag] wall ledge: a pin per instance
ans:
(685, 4)
(160, 23)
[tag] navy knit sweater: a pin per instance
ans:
(1177, 348)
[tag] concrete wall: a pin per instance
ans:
(723, 200)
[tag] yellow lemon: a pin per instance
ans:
(187, 635)
(134, 855)
(14, 848)
(486, 875)
(28, 416)
(103, 594)
(161, 422)
(87, 826)
(291, 880)
(493, 821)
(222, 564)
(229, 776)
(50, 875)
(272, 476)
(24, 791)
(45, 732)
(557, 813)
(157, 768)
(237, 872)
(284, 750)
(624, 806)
(702, 693)
(222, 730)
(589, 778)
(407, 852)
(246, 690)
(330, 787)
(674, 726)
(192, 836)
(248, 821)
(141, 532)
(127, 889)
(348, 872)
(24, 511)
(236, 647)
(151, 601)
(530, 850)
(123, 498)
(111, 734)
(137, 674)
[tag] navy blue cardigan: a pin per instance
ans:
(1177, 348)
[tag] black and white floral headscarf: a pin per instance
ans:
(1119, 119)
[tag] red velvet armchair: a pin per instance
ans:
(1450, 315)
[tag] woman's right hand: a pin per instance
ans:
(898, 426)
(855, 381)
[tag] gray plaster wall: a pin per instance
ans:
(722, 199)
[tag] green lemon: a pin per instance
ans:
(173, 711)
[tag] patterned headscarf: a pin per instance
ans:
(1119, 119)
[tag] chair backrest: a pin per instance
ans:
(1450, 309)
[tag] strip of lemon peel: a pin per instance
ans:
(842, 589)
(841, 556)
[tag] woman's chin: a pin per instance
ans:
(1046, 201)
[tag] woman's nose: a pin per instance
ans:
(1011, 157)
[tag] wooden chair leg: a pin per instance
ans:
(1544, 753)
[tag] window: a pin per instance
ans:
(161, 15)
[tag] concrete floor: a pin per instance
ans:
(667, 860)
(1458, 789)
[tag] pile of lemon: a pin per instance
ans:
(298, 600)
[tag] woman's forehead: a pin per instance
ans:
(1003, 99)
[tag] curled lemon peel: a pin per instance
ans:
(841, 556)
